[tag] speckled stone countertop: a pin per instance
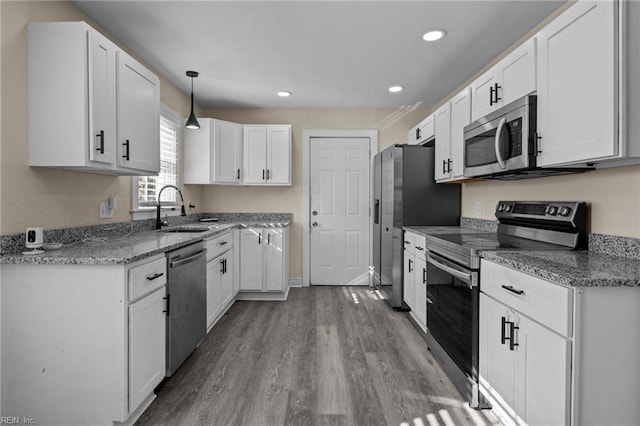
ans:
(135, 246)
(572, 268)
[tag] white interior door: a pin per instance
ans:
(339, 210)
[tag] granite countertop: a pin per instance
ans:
(572, 268)
(135, 246)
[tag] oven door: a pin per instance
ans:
(452, 311)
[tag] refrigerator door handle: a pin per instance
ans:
(376, 212)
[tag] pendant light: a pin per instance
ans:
(192, 121)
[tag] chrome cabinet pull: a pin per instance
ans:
(513, 290)
(154, 276)
(101, 147)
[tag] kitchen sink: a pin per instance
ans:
(184, 229)
(196, 228)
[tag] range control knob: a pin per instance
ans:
(551, 210)
(500, 207)
(565, 211)
(507, 208)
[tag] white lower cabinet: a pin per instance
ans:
(221, 273)
(86, 343)
(415, 277)
(556, 355)
(146, 346)
(531, 376)
(264, 260)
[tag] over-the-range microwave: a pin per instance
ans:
(503, 144)
(503, 141)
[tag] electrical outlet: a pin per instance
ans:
(104, 212)
(478, 208)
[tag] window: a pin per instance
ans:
(146, 188)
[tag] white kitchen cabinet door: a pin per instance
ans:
(510, 79)
(255, 155)
(460, 117)
(497, 362)
(274, 260)
(424, 131)
(227, 152)
(542, 374)
(226, 283)
(279, 155)
(420, 284)
(102, 99)
(146, 346)
(578, 85)
(443, 142)
(409, 279)
(138, 116)
(251, 265)
(215, 273)
(198, 157)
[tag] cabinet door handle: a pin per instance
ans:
(410, 262)
(498, 98)
(238, 174)
(101, 147)
(222, 267)
(269, 239)
(513, 290)
(126, 150)
(418, 133)
(268, 174)
(166, 309)
(491, 96)
(260, 238)
(449, 165)
(154, 276)
(263, 174)
(444, 166)
(503, 334)
(424, 276)
(512, 336)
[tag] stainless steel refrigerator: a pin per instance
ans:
(405, 194)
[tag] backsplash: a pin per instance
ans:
(483, 224)
(16, 243)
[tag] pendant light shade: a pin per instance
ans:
(192, 121)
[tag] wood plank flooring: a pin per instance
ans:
(326, 356)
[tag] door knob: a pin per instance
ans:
(315, 213)
(314, 224)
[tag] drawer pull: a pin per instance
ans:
(419, 248)
(221, 243)
(154, 276)
(513, 290)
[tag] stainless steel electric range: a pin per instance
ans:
(453, 274)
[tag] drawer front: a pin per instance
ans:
(219, 245)
(414, 244)
(145, 278)
(548, 303)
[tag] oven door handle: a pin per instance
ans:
(497, 143)
(467, 277)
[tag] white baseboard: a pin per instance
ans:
(295, 282)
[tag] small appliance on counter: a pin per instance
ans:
(33, 241)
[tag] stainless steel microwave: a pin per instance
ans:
(503, 142)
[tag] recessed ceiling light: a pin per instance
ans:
(395, 89)
(434, 35)
(284, 94)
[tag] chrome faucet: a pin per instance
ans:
(159, 222)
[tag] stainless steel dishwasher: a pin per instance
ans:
(186, 303)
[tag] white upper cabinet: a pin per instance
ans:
(588, 95)
(138, 118)
(450, 121)
(423, 132)
(86, 99)
(511, 78)
(213, 153)
(267, 155)
(578, 85)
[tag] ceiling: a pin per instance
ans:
(329, 54)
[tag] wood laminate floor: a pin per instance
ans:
(326, 356)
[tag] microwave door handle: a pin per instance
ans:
(497, 143)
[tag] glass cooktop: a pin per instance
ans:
(493, 241)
